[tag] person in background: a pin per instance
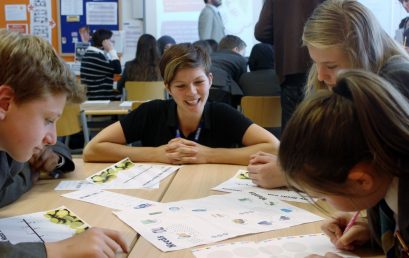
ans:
(164, 43)
(205, 45)
(353, 152)
(403, 31)
(85, 34)
(99, 65)
(185, 129)
(51, 161)
(145, 65)
(213, 44)
(228, 64)
(281, 24)
(262, 79)
(333, 45)
(210, 21)
(34, 86)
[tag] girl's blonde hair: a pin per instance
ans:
(349, 25)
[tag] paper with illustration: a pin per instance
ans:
(283, 247)
(73, 185)
(46, 226)
(188, 223)
(110, 199)
(241, 182)
(128, 175)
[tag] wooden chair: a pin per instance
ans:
(145, 90)
(72, 121)
(263, 110)
(136, 104)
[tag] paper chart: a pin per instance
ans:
(283, 247)
(46, 226)
(109, 199)
(188, 223)
(128, 175)
(241, 182)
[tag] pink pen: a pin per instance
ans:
(352, 221)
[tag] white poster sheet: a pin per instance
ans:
(283, 247)
(128, 175)
(71, 7)
(41, 21)
(47, 226)
(111, 200)
(15, 12)
(241, 182)
(184, 224)
(102, 13)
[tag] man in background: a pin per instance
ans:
(210, 21)
(281, 24)
(228, 64)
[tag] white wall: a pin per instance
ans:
(388, 12)
(178, 18)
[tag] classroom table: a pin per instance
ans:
(104, 109)
(191, 181)
(196, 181)
(42, 197)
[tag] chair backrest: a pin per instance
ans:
(72, 121)
(136, 90)
(263, 110)
(136, 104)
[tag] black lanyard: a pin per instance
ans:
(197, 134)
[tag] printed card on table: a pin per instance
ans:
(109, 199)
(283, 247)
(128, 175)
(73, 185)
(241, 182)
(188, 223)
(46, 226)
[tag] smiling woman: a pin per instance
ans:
(186, 128)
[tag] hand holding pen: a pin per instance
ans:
(347, 232)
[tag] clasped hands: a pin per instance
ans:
(183, 151)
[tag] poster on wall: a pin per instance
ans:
(41, 21)
(21, 28)
(102, 13)
(132, 30)
(15, 12)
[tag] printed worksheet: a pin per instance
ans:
(73, 185)
(128, 175)
(110, 199)
(46, 226)
(283, 247)
(188, 223)
(241, 182)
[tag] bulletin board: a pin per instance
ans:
(73, 14)
(24, 25)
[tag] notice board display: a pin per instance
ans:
(96, 14)
(36, 17)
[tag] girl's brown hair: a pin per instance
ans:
(181, 56)
(364, 118)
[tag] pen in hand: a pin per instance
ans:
(352, 221)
